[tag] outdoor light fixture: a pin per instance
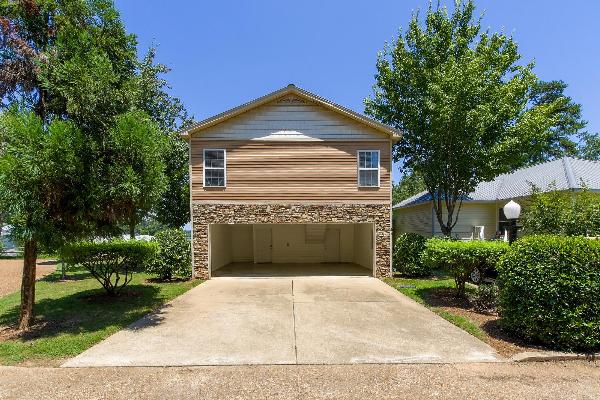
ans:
(512, 210)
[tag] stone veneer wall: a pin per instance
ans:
(254, 213)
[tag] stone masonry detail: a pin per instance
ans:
(204, 214)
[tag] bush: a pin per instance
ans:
(113, 262)
(485, 298)
(461, 258)
(549, 291)
(562, 212)
(174, 257)
(407, 255)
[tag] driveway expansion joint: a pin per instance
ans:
(333, 321)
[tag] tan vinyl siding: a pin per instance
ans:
(416, 219)
(291, 170)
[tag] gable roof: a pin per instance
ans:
(565, 174)
(291, 89)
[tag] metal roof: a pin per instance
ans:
(566, 173)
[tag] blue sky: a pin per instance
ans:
(223, 53)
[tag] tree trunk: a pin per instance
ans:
(28, 284)
(132, 228)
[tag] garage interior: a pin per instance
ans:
(291, 249)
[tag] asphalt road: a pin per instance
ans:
(553, 380)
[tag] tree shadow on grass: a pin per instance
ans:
(442, 297)
(57, 277)
(85, 312)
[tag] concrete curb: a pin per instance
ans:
(533, 356)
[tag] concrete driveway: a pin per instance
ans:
(306, 320)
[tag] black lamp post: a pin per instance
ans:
(512, 210)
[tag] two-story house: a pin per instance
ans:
(290, 179)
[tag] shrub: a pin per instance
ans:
(485, 298)
(549, 291)
(407, 255)
(113, 262)
(562, 212)
(461, 258)
(174, 257)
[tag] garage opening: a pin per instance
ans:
(291, 249)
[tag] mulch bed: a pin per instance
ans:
(502, 341)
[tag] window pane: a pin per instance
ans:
(361, 159)
(374, 159)
(210, 163)
(368, 177)
(215, 154)
(368, 159)
(214, 177)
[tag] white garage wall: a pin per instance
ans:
(220, 246)
(346, 242)
(242, 243)
(235, 243)
(289, 245)
(363, 248)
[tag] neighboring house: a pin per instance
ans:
(290, 178)
(483, 207)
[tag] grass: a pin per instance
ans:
(421, 290)
(75, 314)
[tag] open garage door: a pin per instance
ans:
(291, 249)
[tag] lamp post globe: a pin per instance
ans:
(512, 210)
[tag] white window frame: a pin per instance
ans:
(224, 168)
(378, 168)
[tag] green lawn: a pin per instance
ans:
(420, 290)
(74, 315)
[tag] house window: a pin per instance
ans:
(368, 168)
(214, 168)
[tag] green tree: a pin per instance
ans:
(461, 97)
(71, 61)
(151, 95)
(66, 58)
(409, 185)
(562, 212)
(590, 146)
(41, 177)
(567, 121)
(136, 168)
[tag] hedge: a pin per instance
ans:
(550, 291)
(174, 257)
(112, 262)
(462, 257)
(408, 248)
